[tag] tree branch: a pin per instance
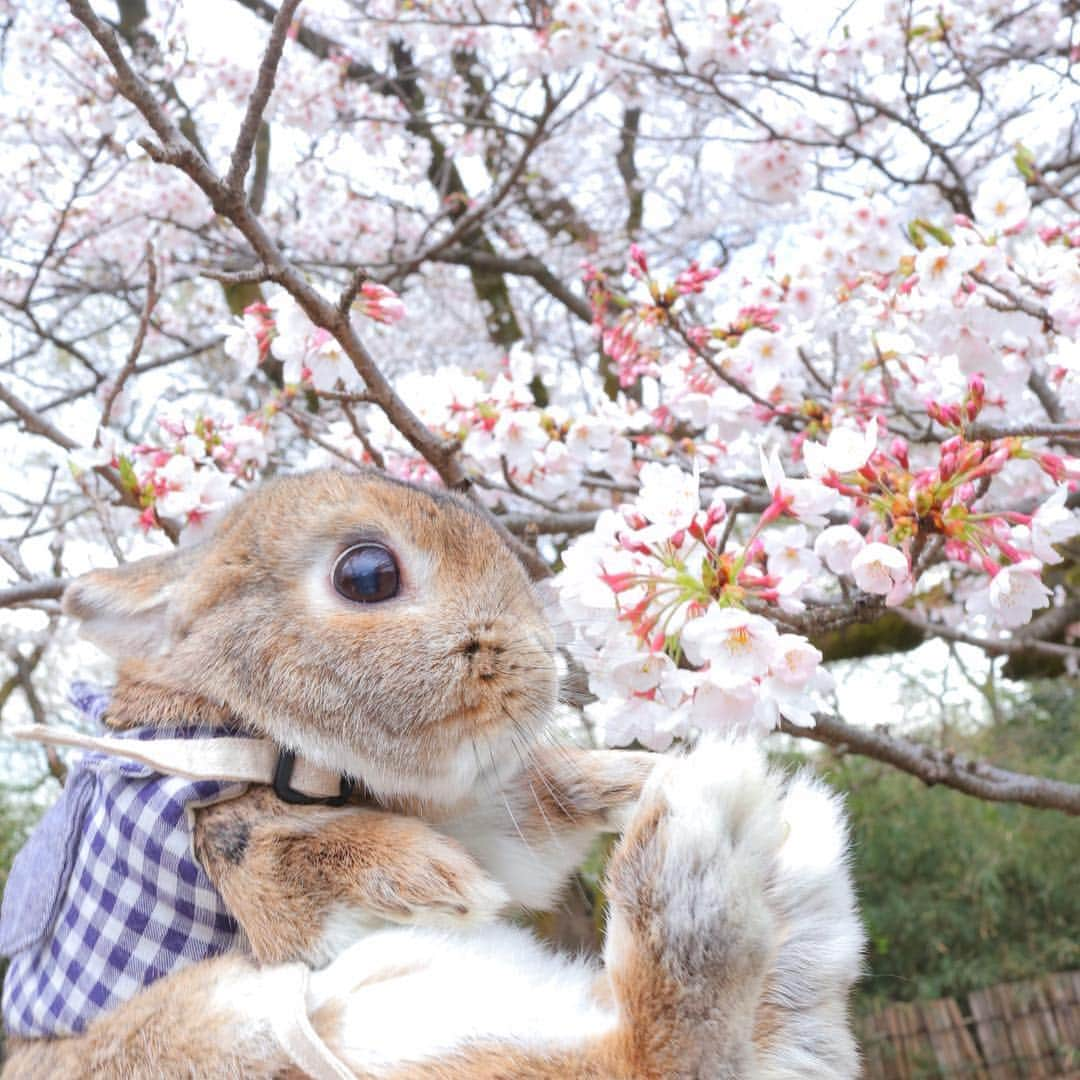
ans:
(932, 766)
(24, 592)
(256, 106)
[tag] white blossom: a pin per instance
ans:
(1014, 594)
(882, 570)
(846, 450)
(736, 644)
(837, 546)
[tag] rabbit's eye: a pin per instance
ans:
(366, 574)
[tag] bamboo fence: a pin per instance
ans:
(1014, 1031)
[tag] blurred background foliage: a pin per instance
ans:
(958, 894)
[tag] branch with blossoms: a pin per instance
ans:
(686, 623)
(332, 321)
(847, 410)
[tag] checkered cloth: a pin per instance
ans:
(107, 896)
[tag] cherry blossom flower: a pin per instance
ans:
(837, 546)
(941, 269)
(806, 499)
(380, 303)
(737, 645)
(788, 553)
(1053, 523)
(795, 661)
(738, 709)
(884, 571)
(242, 343)
(1014, 593)
(1002, 204)
(796, 679)
(846, 450)
(767, 356)
(190, 492)
(622, 721)
(669, 498)
(519, 436)
(321, 361)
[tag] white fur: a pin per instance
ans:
(258, 997)
(721, 834)
(533, 870)
(747, 889)
(415, 994)
(821, 957)
(458, 775)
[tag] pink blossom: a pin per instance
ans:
(884, 571)
(738, 709)
(380, 303)
(807, 499)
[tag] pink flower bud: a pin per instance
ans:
(713, 536)
(716, 513)
(958, 551)
(635, 547)
(898, 449)
(1053, 465)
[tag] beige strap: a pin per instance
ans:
(248, 761)
(298, 1038)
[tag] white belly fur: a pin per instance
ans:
(412, 993)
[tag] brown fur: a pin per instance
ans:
(227, 632)
(246, 627)
(462, 656)
(282, 870)
(149, 1038)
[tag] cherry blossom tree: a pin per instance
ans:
(749, 323)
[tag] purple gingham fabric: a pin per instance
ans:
(106, 896)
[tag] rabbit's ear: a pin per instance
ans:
(126, 610)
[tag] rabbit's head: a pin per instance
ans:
(376, 628)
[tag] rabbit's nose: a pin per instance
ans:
(483, 646)
(483, 643)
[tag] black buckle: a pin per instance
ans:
(284, 790)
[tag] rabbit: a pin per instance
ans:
(425, 668)
(732, 945)
(435, 690)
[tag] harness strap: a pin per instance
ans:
(230, 759)
(292, 1027)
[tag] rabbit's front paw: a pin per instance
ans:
(691, 873)
(305, 882)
